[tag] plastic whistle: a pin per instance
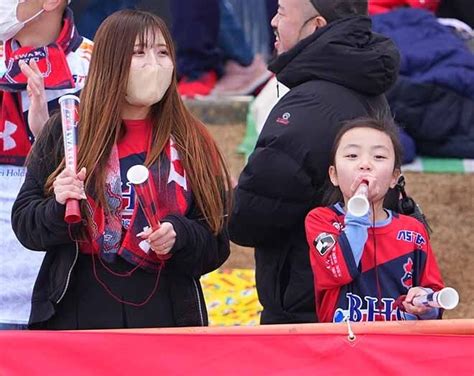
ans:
(358, 204)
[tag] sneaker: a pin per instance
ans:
(240, 80)
(202, 86)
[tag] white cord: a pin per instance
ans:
(350, 334)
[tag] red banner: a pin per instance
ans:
(283, 350)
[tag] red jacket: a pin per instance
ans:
(381, 6)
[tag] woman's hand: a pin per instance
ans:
(408, 302)
(69, 185)
(38, 113)
(162, 240)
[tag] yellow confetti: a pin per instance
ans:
(231, 297)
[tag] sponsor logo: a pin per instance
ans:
(16, 172)
(411, 237)
(338, 226)
(324, 243)
(332, 264)
(284, 119)
(8, 141)
(79, 80)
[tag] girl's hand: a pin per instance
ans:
(371, 181)
(161, 240)
(38, 113)
(407, 303)
(69, 185)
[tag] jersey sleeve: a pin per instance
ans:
(431, 275)
(331, 256)
(430, 278)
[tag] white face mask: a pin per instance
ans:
(9, 23)
(147, 85)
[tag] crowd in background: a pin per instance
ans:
(224, 45)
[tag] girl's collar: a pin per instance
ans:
(340, 209)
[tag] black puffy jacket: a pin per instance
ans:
(38, 222)
(338, 73)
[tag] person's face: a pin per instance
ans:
(364, 152)
(150, 76)
(28, 8)
(155, 52)
(18, 15)
(290, 25)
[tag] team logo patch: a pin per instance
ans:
(338, 226)
(324, 243)
(407, 279)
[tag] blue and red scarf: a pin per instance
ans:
(15, 140)
(108, 238)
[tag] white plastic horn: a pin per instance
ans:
(447, 298)
(358, 204)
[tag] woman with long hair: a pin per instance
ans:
(111, 270)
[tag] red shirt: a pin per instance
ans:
(132, 148)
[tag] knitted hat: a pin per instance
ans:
(333, 10)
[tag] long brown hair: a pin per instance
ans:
(101, 124)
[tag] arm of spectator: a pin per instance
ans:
(37, 218)
(196, 250)
(333, 260)
(38, 113)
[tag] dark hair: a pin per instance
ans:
(382, 123)
(333, 10)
